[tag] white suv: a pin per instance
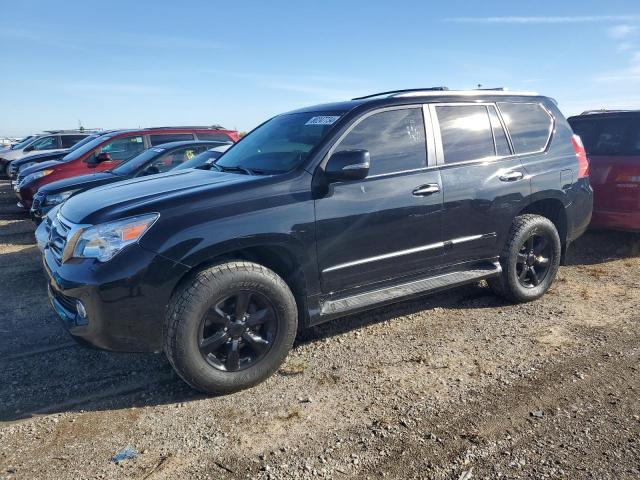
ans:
(47, 142)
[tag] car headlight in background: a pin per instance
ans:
(104, 241)
(34, 176)
(56, 198)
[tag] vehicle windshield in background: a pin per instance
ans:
(279, 145)
(82, 142)
(130, 166)
(199, 160)
(22, 143)
(618, 136)
(86, 148)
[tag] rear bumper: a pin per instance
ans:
(616, 220)
(579, 212)
(125, 299)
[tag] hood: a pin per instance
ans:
(39, 166)
(146, 194)
(83, 182)
(41, 157)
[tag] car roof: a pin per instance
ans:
(427, 95)
(605, 114)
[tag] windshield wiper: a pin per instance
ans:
(222, 168)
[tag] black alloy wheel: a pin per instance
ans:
(238, 330)
(533, 260)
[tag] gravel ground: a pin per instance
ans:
(459, 385)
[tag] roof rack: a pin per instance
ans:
(406, 90)
(182, 127)
(604, 110)
(74, 130)
(438, 91)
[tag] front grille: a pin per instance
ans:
(37, 201)
(58, 236)
(13, 169)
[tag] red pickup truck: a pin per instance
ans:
(107, 152)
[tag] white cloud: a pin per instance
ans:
(621, 31)
(546, 20)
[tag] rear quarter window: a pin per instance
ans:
(529, 124)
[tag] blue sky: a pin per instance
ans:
(127, 64)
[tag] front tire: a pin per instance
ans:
(230, 327)
(530, 259)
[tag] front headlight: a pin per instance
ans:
(33, 177)
(104, 241)
(56, 198)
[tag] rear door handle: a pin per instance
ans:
(428, 189)
(511, 176)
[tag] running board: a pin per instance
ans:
(385, 295)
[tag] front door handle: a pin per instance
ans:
(511, 176)
(428, 189)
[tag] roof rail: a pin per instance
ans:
(406, 90)
(604, 110)
(203, 127)
(74, 130)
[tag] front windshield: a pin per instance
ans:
(23, 142)
(281, 144)
(199, 160)
(131, 166)
(86, 148)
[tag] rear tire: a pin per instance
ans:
(230, 327)
(530, 259)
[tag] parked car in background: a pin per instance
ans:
(106, 153)
(317, 214)
(51, 141)
(612, 141)
(16, 166)
(159, 159)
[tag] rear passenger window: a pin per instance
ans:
(502, 144)
(69, 141)
(220, 137)
(395, 140)
(169, 137)
(466, 133)
(529, 125)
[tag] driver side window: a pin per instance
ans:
(395, 140)
(122, 149)
(46, 143)
(172, 159)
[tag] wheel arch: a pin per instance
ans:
(281, 258)
(555, 210)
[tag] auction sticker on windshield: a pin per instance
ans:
(323, 120)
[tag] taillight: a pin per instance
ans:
(581, 153)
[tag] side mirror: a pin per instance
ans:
(348, 165)
(103, 157)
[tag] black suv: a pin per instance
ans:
(316, 214)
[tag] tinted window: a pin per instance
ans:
(502, 144)
(395, 140)
(173, 159)
(529, 125)
(199, 160)
(213, 136)
(69, 141)
(608, 136)
(45, 143)
(466, 133)
(169, 137)
(123, 148)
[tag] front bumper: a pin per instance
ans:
(38, 208)
(125, 299)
